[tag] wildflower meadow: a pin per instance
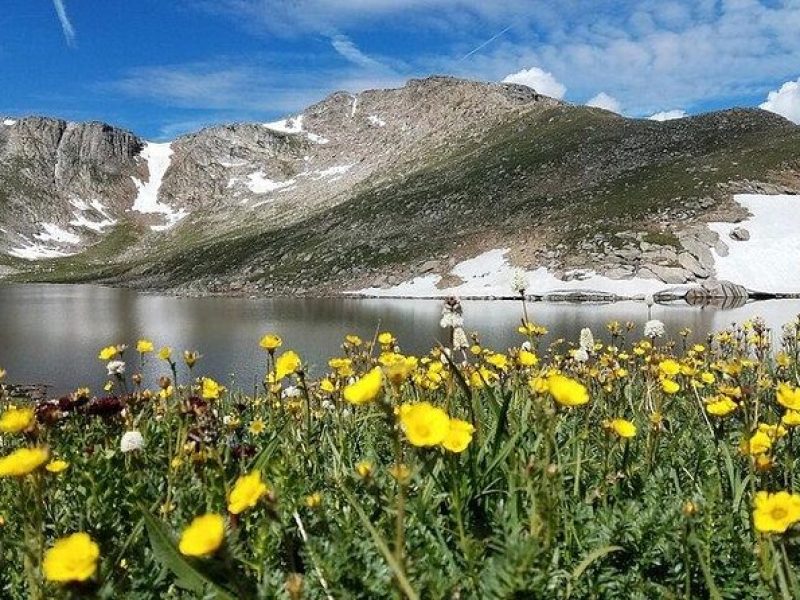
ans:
(619, 465)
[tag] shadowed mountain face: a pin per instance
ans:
(373, 188)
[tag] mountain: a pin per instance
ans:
(372, 189)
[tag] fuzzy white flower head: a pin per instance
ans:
(292, 391)
(587, 339)
(580, 355)
(131, 441)
(654, 329)
(460, 338)
(526, 345)
(451, 319)
(519, 281)
(115, 367)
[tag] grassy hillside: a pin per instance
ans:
(562, 178)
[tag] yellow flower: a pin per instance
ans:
(402, 473)
(759, 443)
(365, 469)
(623, 428)
(257, 427)
(57, 466)
(287, 364)
(538, 385)
(107, 353)
(670, 386)
(203, 536)
(72, 558)
(313, 500)
(386, 339)
(16, 420)
(3, 374)
(721, 407)
(669, 367)
(353, 340)
(144, 346)
(165, 353)
(190, 357)
(707, 377)
(791, 418)
(567, 391)
(528, 328)
(23, 461)
(499, 361)
(788, 396)
(399, 368)
(773, 431)
(775, 513)
(210, 389)
(326, 385)
(527, 359)
(458, 436)
(365, 389)
(424, 424)
(246, 493)
(271, 342)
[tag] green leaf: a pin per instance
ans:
(166, 552)
(383, 547)
(594, 555)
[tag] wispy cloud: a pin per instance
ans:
(66, 25)
(650, 54)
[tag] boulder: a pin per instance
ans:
(690, 263)
(740, 234)
(671, 275)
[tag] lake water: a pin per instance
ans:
(52, 334)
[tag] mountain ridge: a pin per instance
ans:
(408, 165)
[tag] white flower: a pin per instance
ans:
(460, 338)
(115, 367)
(451, 319)
(328, 405)
(445, 356)
(519, 281)
(131, 440)
(580, 355)
(654, 329)
(587, 339)
(526, 345)
(292, 391)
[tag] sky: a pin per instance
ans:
(166, 67)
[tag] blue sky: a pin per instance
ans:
(162, 67)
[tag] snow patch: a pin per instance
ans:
(37, 251)
(768, 261)
(378, 122)
(54, 233)
(260, 184)
(490, 274)
(355, 105)
(158, 157)
(79, 219)
(294, 125)
(9, 122)
(335, 172)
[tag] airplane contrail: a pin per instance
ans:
(484, 44)
(69, 31)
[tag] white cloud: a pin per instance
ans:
(606, 102)
(785, 101)
(66, 26)
(668, 115)
(346, 48)
(542, 81)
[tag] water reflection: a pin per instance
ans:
(51, 334)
